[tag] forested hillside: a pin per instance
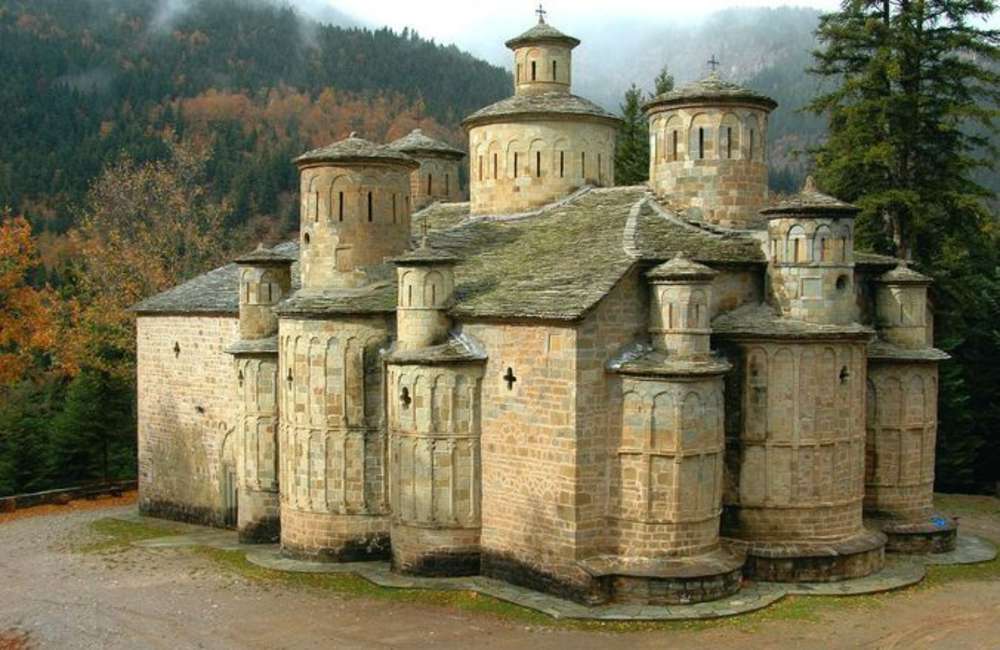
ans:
(87, 80)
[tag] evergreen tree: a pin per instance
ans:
(664, 81)
(632, 151)
(910, 114)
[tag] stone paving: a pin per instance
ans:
(899, 572)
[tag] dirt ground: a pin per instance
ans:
(133, 598)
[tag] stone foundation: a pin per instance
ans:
(259, 517)
(935, 534)
(508, 568)
(332, 537)
(852, 557)
(435, 552)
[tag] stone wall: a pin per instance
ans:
(436, 180)
(351, 217)
(435, 480)
(795, 440)
(734, 287)
(519, 166)
(710, 158)
(902, 432)
(542, 68)
(259, 511)
(332, 438)
(529, 454)
(187, 416)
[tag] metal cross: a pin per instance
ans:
(541, 13)
(713, 63)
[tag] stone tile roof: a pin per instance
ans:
(456, 349)
(763, 321)
(356, 150)
(542, 33)
(556, 263)
(415, 142)
(711, 89)
(439, 216)
(883, 350)
(254, 346)
(539, 105)
(215, 292)
(425, 255)
(867, 258)
(903, 274)
(265, 256)
(681, 268)
(810, 201)
(658, 364)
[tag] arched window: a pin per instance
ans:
(676, 137)
(371, 208)
(515, 164)
(797, 250)
(340, 204)
(496, 166)
(583, 164)
(823, 244)
(701, 143)
(480, 168)
(538, 164)
(534, 71)
(562, 164)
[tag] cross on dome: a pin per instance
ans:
(714, 64)
(541, 13)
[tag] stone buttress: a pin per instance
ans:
(667, 465)
(265, 280)
(355, 213)
(796, 405)
(902, 419)
(433, 401)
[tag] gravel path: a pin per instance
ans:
(172, 599)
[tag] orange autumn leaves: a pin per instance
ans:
(29, 316)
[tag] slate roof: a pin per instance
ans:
(883, 350)
(539, 105)
(542, 33)
(810, 201)
(356, 150)
(681, 268)
(254, 346)
(455, 350)
(712, 89)
(763, 321)
(415, 142)
(265, 256)
(903, 274)
(215, 292)
(556, 263)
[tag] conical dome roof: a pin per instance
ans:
(681, 268)
(712, 90)
(264, 257)
(356, 150)
(903, 274)
(811, 201)
(416, 142)
(542, 33)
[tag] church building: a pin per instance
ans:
(636, 394)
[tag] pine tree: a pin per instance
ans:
(632, 152)
(664, 82)
(914, 97)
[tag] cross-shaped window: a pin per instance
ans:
(510, 378)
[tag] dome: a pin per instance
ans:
(356, 150)
(810, 201)
(542, 33)
(711, 90)
(416, 142)
(539, 105)
(264, 257)
(681, 268)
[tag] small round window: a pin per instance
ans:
(842, 283)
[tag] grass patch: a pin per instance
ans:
(938, 575)
(968, 505)
(109, 536)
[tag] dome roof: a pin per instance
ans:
(810, 201)
(539, 104)
(542, 33)
(356, 150)
(681, 268)
(425, 256)
(417, 142)
(264, 257)
(903, 274)
(712, 89)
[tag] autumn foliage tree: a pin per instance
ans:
(144, 229)
(26, 315)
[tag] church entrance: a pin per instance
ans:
(230, 497)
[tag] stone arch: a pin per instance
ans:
(537, 159)
(433, 289)
(246, 283)
(843, 243)
(514, 159)
(342, 192)
(372, 378)
(729, 137)
(534, 69)
(633, 421)
(891, 406)
(692, 420)
(496, 160)
(561, 157)
(316, 381)
(406, 282)
(754, 145)
(663, 422)
(312, 198)
(268, 289)
(354, 382)
(421, 404)
(697, 311)
(796, 244)
(674, 139)
(823, 244)
(781, 409)
(700, 140)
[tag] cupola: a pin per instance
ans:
(265, 280)
(426, 281)
(679, 309)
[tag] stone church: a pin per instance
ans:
(614, 394)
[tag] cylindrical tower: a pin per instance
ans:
(544, 142)
(355, 211)
(902, 419)
(434, 387)
(667, 472)
(265, 280)
(708, 150)
(437, 178)
(811, 257)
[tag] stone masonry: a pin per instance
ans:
(637, 395)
